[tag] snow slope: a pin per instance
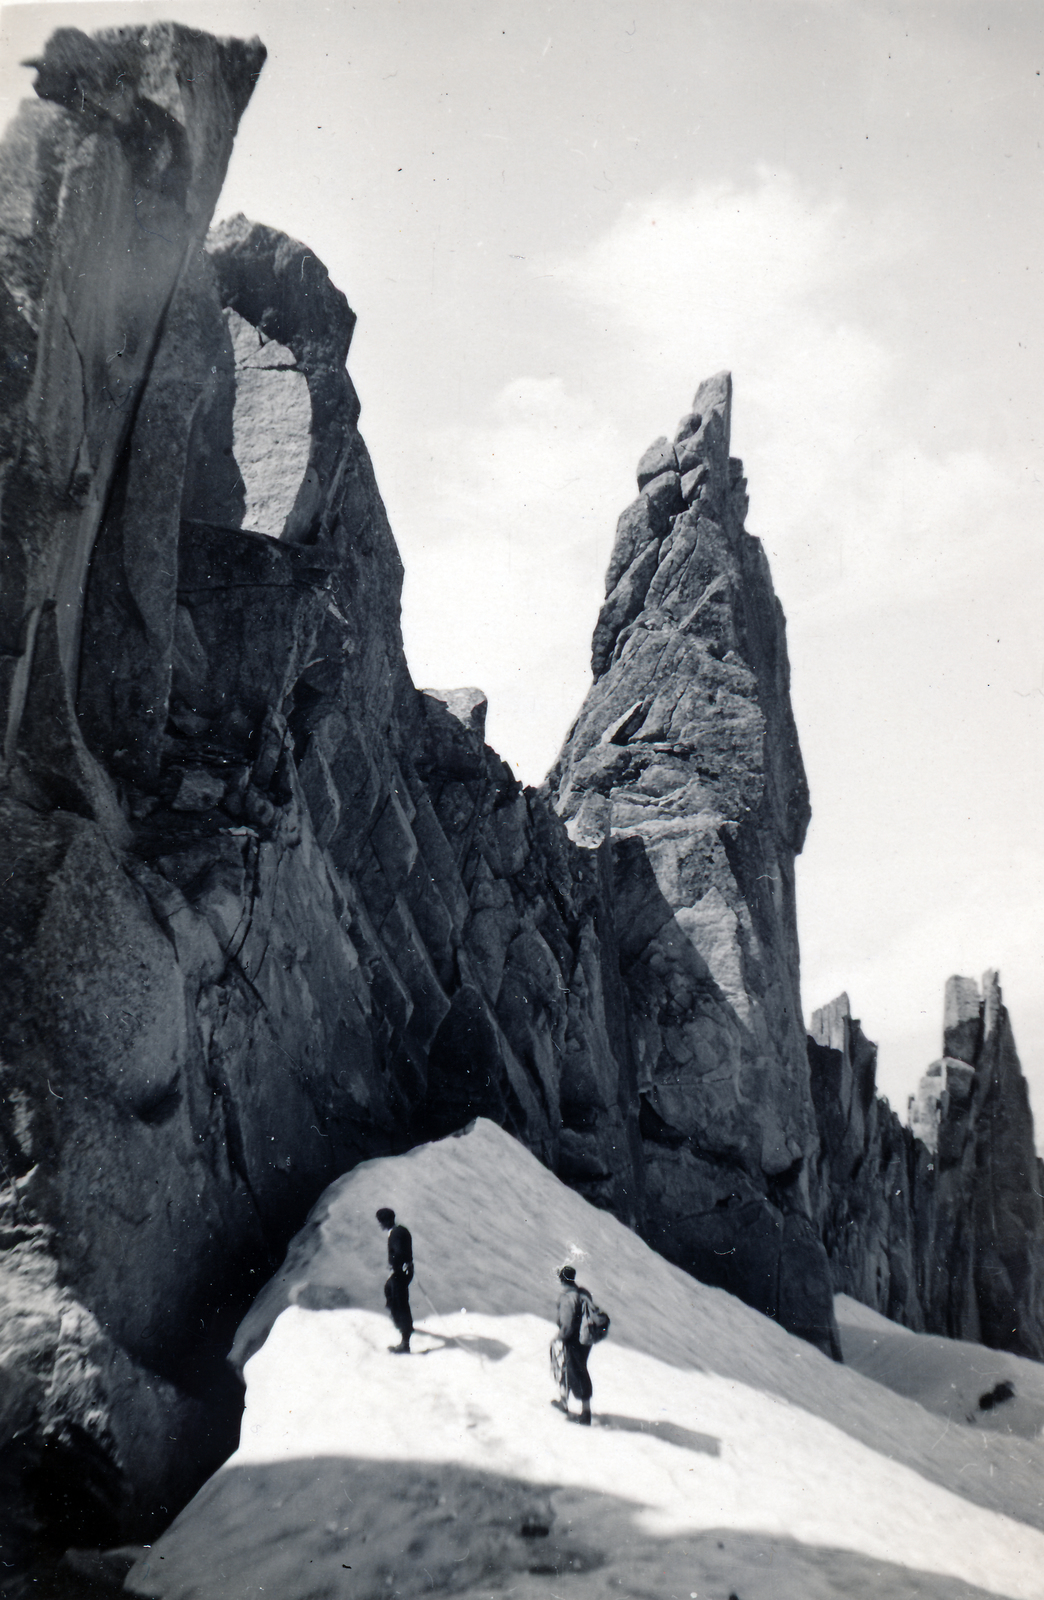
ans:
(947, 1376)
(727, 1457)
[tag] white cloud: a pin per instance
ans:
(750, 278)
(856, 503)
(504, 531)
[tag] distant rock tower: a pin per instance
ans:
(939, 1225)
(985, 1276)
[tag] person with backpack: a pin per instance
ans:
(397, 1288)
(580, 1325)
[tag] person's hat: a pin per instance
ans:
(567, 1274)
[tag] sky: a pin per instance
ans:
(552, 221)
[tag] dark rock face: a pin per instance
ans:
(940, 1225)
(268, 909)
(686, 753)
(872, 1179)
(272, 910)
(109, 181)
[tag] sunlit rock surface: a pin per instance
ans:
(685, 755)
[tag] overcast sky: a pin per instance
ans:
(553, 220)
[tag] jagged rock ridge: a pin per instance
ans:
(939, 1224)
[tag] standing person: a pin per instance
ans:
(576, 1379)
(397, 1288)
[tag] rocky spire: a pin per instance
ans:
(940, 1224)
(984, 1278)
(685, 754)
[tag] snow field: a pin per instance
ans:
(726, 1458)
(325, 1384)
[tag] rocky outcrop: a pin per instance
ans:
(685, 755)
(872, 1180)
(108, 180)
(271, 909)
(940, 1225)
(268, 909)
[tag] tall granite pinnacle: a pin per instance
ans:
(686, 755)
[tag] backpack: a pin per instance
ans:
(594, 1322)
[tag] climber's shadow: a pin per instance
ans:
(473, 1343)
(705, 1444)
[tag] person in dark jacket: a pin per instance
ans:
(576, 1379)
(397, 1288)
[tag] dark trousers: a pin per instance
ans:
(578, 1380)
(397, 1299)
